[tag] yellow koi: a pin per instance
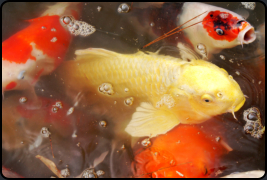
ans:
(168, 90)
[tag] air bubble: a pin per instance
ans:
(126, 90)
(231, 61)
(54, 109)
(67, 20)
(124, 8)
(54, 39)
(99, 8)
(237, 72)
(252, 116)
(222, 57)
(129, 101)
(23, 100)
(103, 123)
(217, 139)
(45, 132)
(201, 47)
(152, 24)
(43, 27)
(53, 29)
(76, 27)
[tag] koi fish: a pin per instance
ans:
(21, 124)
(204, 28)
(167, 91)
(183, 152)
(38, 49)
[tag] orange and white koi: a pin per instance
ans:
(38, 49)
(204, 28)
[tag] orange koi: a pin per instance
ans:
(184, 152)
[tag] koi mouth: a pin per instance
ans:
(247, 35)
(237, 107)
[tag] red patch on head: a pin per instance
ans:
(11, 85)
(222, 25)
(17, 48)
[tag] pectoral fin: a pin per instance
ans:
(150, 121)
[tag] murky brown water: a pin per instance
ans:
(78, 139)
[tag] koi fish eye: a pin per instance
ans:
(206, 98)
(239, 23)
(219, 31)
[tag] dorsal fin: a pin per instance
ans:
(95, 53)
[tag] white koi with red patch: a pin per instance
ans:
(38, 49)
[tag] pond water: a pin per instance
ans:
(87, 130)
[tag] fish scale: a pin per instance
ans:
(164, 91)
(140, 74)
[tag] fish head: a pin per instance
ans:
(227, 29)
(210, 91)
(217, 29)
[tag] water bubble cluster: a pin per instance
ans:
(77, 27)
(129, 101)
(65, 172)
(167, 100)
(146, 142)
(59, 104)
(123, 8)
(249, 5)
(253, 124)
(106, 88)
(90, 173)
(202, 49)
(45, 132)
(23, 100)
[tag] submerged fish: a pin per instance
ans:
(38, 49)
(204, 28)
(183, 152)
(170, 90)
(21, 124)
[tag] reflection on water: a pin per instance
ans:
(82, 127)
